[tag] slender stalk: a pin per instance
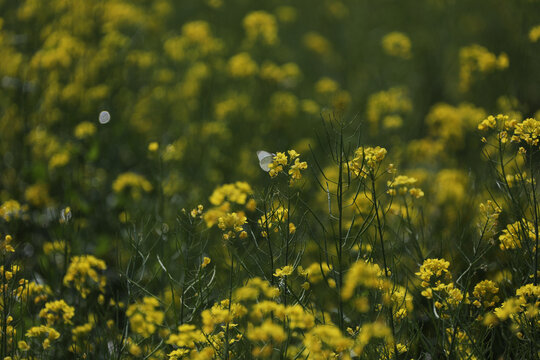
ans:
(535, 269)
(270, 253)
(386, 273)
(535, 207)
(339, 243)
(226, 350)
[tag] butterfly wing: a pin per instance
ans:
(265, 159)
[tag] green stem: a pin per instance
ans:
(386, 273)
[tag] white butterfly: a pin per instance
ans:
(265, 159)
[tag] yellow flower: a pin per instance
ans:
(153, 146)
(284, 271)
(84, 130)
(485, 293)
(145, 316)
(83, 274)
(242, 66)
(528, 131)
(397, 44)
(433, 271)
(11, 209)
(534, 33)
(394, 101)
(268, 331)
(23, 346)
(260, 25)
(366, 160)
(132, 181)
(206, 261)
(231, 224)
(56, 311)
(512, 237)
(5, 246)
(38, 195)
(364, 274)
(476, 58)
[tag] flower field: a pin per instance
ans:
(232, 179)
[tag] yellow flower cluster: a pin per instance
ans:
(402, 183)
(133, 181)
(185, 340)
(281, 160)
(145, 316)
(401, 300)
(11, 209)
(242, 66)
(196, 41)
(512, 237)
(272, 220)
(85, 130)
(450, 124)
(387, 108)
(316, 272)
(366, 160)
(237, 192)
(231, 224)
(490, 211)
(287, 74)
(283, 104)
(226, 195)
(365, 274)
(433, 272)
(397, 44)
(196, 212)
(7, 273)
(326, 342)
(534, 33)
(284, 271)
(30, 289)
(500, 122)
(221, 314)
(57, 312)
(268, 333)
(261, 26)
(317, 43)
(476, 58)
(5, 245)
(485, 294)
(521, 310)
(254, 288)
(376, 330)
(83, 274)
(528, 131)
(58, 246)
(48, 334)
(38, 195)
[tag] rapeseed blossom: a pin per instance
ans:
(367, 160)
(242, 66)
(397, 44)
(261, 26)
(534, 33)
(284, 271)
(132, 181)
(57, 312)
(231, 224)
(84, 274)
(145, 316)
(513, 236)
(476, 58)
(485, 294)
